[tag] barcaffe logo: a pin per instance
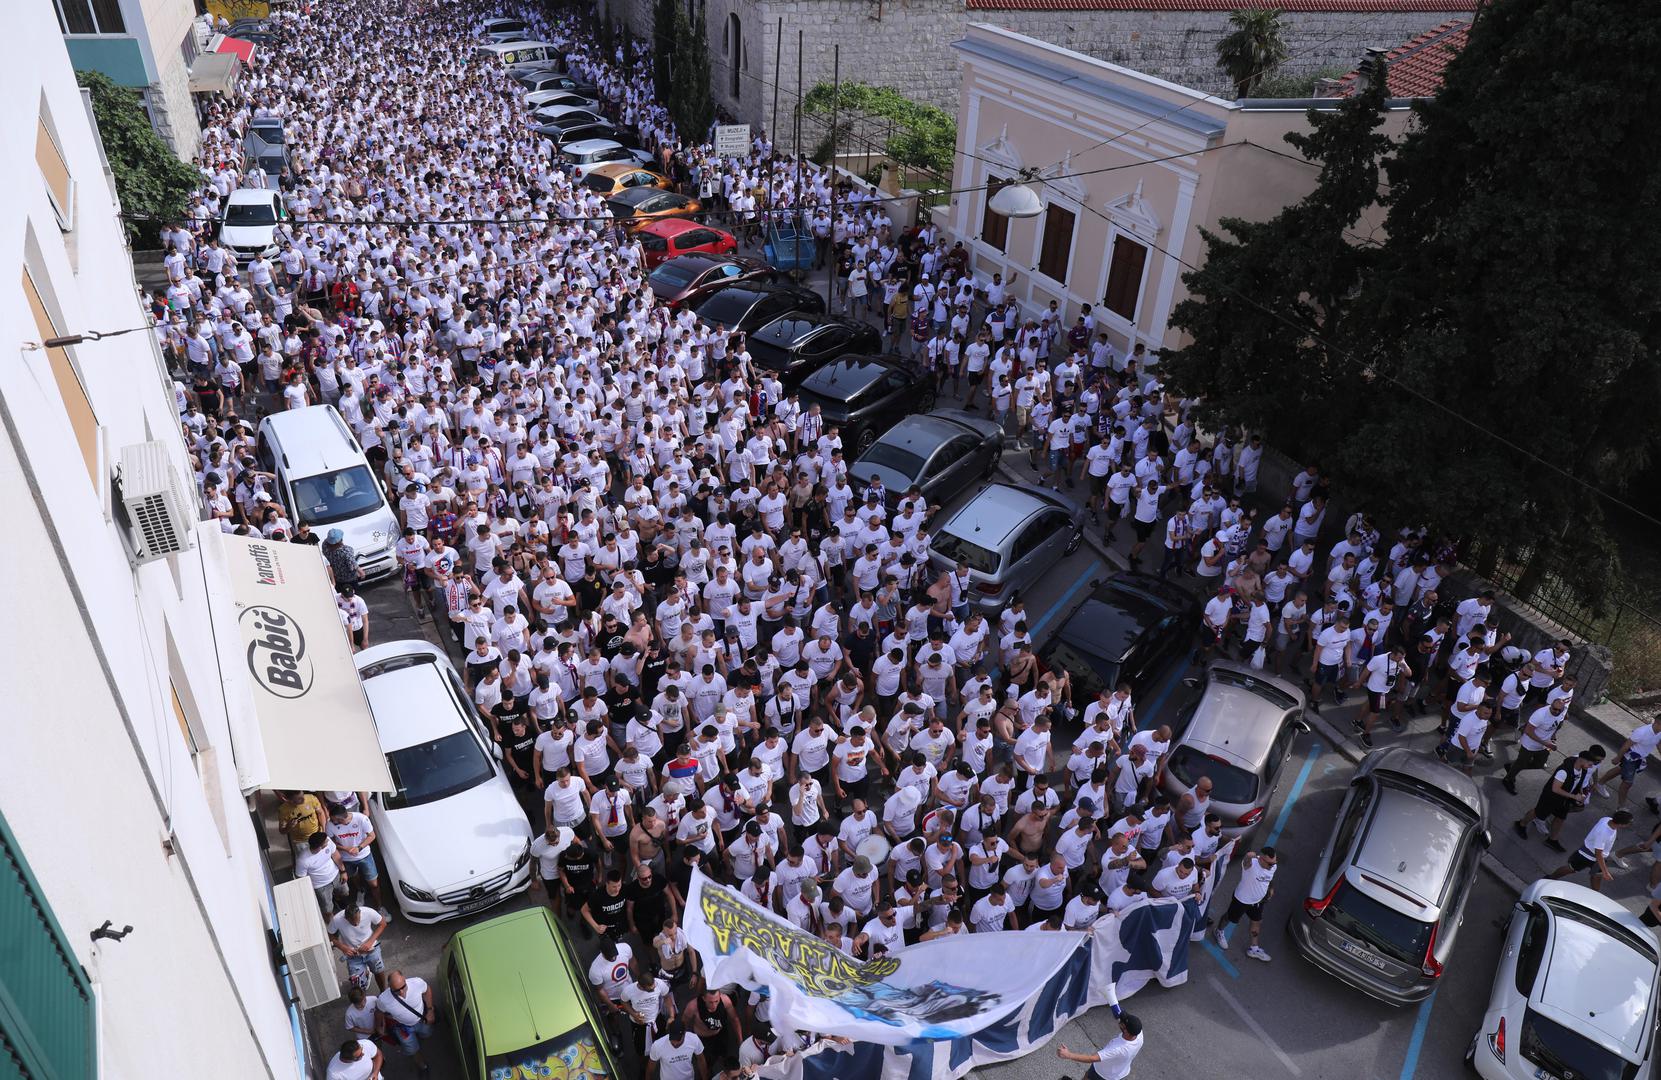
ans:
(276, 651)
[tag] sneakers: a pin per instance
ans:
(1398, 726)
(1653, 804)
(1357, 724)
(1220, 938)
(1256, 953)
(1366, 740)
(1517, 827)
(1603, 792)
(1486, 754)
(1618, 863)
(1555, 846)
(1540, 827)
(1315, 707)
(1509, 784)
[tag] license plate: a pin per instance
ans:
(475, 905)
(1363, 955)
(1544, 1074)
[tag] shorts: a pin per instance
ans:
(1378, 701)
(1580, 860)
(1115, 510)
(1144, 529)
(1236, 909)
(1098, 484)
(1056, 459)
(363, 869)
(358, 966)
(1552, 805)
(409, 1037)
(1631, 766)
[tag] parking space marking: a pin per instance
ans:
(1297, 790)
(1221, 957)
(1146, 719)
(1256, 1029)
(1065, 603)
(1421, 1024)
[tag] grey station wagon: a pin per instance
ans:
(1008, 535)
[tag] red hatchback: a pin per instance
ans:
(669, 237)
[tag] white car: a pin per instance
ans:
(1575, 994)
(589, 154)
(249, 227)
(544, 99)
(452, 837)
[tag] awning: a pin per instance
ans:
(242, 49)
(215, 73)
(314, 720)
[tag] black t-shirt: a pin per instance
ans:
(589, 592)
(606, 908)
(578, 864)
(520, 749)
(651, 904)
(862, 650)
(651, 672)
(611, 642)
(681, 871)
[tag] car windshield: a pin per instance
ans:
(250, 214)
(336, 496)
(429, 771)
(674, 275)
(1390, 932)
(576, 1055)
(967, 552)
(1229, 783)
(596, 182)
(893, 457)
(272, 134)
(1090, 674)
(1559, 1051)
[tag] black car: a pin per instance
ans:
(794, 346)
(531, 76)
(941, 452)
(561, 135)
(687, 279)
(547, 80)
(751, 305)
(1131, 624)
(865, 396)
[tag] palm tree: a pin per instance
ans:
(1253, 49)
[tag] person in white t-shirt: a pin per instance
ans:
(1256, 885)
(1111, 1062)
(1597, 852)
(677, 1055)
(1632, 759)
(357, 1059)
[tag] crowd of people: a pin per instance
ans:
(698, 645)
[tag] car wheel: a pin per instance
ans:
(992, 463)
(1074, 543)
(863, 441)
(925, 401)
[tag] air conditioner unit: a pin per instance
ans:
(306, 949)
(159, 515)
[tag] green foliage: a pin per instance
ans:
(1277, 85)
(149, 179)
(1512, 314)
(690, 104)
(1253, 49)
(925, 137)
(664, 42)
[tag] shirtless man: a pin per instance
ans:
(1026, 836)
(646, 842)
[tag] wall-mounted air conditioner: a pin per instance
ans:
(159, 515)
(306, 949)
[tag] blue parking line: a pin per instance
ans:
(1146, 718)
(1066, 601)
(1221, 957)
(1421, 1024)
(1292, 796)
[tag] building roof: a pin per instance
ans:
(1221, 5)
(1414, 68)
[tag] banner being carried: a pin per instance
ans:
(942, 989)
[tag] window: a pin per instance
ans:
(1124, 277)
(91, 17)
(994, 227)
(60, 186)
(47, 1015)
(1057, 250)
(75, 403)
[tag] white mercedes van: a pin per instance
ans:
(325, 480)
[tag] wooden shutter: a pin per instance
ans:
(1057, 248)
(1124, 277)
(75, 401)
(55, 172)
(994, 227)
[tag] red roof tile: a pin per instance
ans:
(1220, 5)
(1414, 68)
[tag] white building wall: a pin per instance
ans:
(163, 27)
(116, 816)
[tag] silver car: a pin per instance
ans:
(1239, 733)
(1386, 902)
(942, 452)
(1008, 535)
(1575, 993)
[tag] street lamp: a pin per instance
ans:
(1017, 199)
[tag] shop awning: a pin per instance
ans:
(242, 49)
(215, 73)
(315, 725)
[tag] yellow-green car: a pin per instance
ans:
(519, 1005)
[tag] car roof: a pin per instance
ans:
(1234, 724)
(518, 981)
(1597, 976)
(588, 146)
(995, 512)
(1422, 769)
(614, 169)
(787, 330)
(251, 197)
(1409, 849)
(847, 376)
(411, 704)
(667, 227)
(1117, 613)
(921, 433)
(312, 440)
(699, 261)
(635, 196)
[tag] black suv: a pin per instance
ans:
(794, 346)
(749, 305)
(866, 395)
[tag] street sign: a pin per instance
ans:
(732, 140)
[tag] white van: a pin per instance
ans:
(323, 478)
(516, 54)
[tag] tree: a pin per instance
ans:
(1253, 49)
(151, 183)
(690, 103)
(664, 42)
(921, 136)
(1509, 325)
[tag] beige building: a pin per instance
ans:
(1133, 166)
(148, 46)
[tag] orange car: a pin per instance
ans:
(620, 176)
(643, 205)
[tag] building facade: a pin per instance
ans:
(146, 45)
(907, 44)
(1133, 166)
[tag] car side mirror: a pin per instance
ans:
(1301, 725)
(1487, 839)
(1192, 682)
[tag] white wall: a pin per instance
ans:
(96, 780)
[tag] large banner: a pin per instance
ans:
(941, 989)
(1120, 955)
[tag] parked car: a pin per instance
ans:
(1238, 732)
(518, 1004)
(1575, 993)
(864, 396)
(615, 177)
(249, 227)
(942, 452)
(586, 155)
(550, 81)
(504, 30)
(451, 836)
(1385, 904)
(263, 145)
(566, 115)
(520, 55)
(751, 305)
(637, 206)
(536, 76)
(324, 480)
(550, 96)
(261, 32)
(1008, 535)
(563, 135)
(688, 279)
(669, 237)
(794, 346)
(1126, 630)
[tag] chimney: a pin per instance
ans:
(1372, 66)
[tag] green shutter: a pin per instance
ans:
(47, 1026)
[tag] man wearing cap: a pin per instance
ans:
(341, 558)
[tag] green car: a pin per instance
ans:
(519, 1005)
